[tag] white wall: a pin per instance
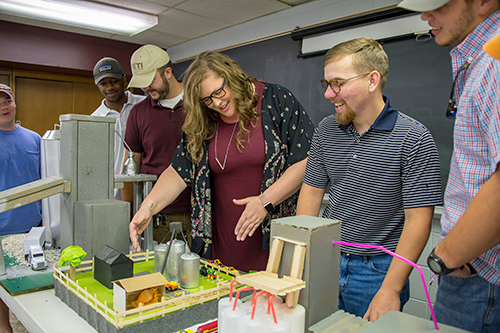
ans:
(279, 23)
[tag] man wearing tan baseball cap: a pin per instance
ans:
(468, 256)
(422, 5)
(154, 129)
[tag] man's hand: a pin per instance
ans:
(251, 218)
(383, 302)
(138, 225)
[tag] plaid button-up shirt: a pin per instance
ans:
(476, 151)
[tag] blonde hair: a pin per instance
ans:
(201, 121)
(367, 55)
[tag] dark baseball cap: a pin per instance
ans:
(107, 67)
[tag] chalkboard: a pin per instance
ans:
(419, 81)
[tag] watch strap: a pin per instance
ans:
(266, 203)
(444, 270)
(148, 203)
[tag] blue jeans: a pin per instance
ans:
(471, 304)
(360, 279)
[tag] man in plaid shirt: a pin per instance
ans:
(468, 258)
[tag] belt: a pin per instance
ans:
(353, 255)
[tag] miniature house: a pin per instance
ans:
(127, 291)
(111, 265)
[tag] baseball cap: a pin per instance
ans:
(493, 47)
(144, 63)
(422, 5)
(107, 67)
(6, 89)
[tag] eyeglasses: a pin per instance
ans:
(451, 110)
(219, 93)
(336, 85)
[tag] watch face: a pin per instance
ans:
(434, 265)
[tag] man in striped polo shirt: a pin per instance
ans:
(467, 260)
(382, 172)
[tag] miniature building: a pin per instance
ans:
(111, 265)
(127, 291)
(320, 296)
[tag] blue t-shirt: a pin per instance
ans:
(19, 164)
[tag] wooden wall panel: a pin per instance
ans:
(5, 79)
(86, 98)
(40, 102)
(42, 97)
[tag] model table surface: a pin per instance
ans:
(271, 283)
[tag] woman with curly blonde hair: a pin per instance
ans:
(243, 152)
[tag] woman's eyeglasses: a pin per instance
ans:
(219, 93)
(451, 110)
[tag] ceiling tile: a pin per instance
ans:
(232, 11)
(144, 6)
(187, 25)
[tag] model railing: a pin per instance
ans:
(120, 319)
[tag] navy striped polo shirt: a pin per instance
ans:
(373, 177)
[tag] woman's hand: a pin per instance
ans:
(138, 225)
(251, 218)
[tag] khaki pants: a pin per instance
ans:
(161, 227)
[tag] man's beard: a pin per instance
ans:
(345, 117)
(165, 89)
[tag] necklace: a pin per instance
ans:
(222, 166)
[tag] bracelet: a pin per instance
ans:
(148, 203)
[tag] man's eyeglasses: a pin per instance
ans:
(219, 93)
(336, 85)
(451, 110)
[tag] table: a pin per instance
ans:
(42, 311)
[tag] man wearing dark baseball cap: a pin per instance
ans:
(117, 103)
(154, 130)
(19, 164)
(467, 260)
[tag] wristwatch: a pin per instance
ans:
(437, 265)
(266, 203)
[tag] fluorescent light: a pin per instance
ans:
(81, 13)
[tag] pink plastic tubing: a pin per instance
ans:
(405, 260)
(238, 295)
(231, 289)
(254, 301)
(271, 305)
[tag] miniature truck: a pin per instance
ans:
(33, 248)
(36, 258)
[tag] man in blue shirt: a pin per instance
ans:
(19, 164)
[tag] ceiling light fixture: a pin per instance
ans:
(81, 13)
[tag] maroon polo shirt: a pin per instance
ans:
(155, 131)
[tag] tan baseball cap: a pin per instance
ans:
(6, 89)
(144, 63)
(422, 5)
(493, 47)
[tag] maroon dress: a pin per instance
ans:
(241, 178)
